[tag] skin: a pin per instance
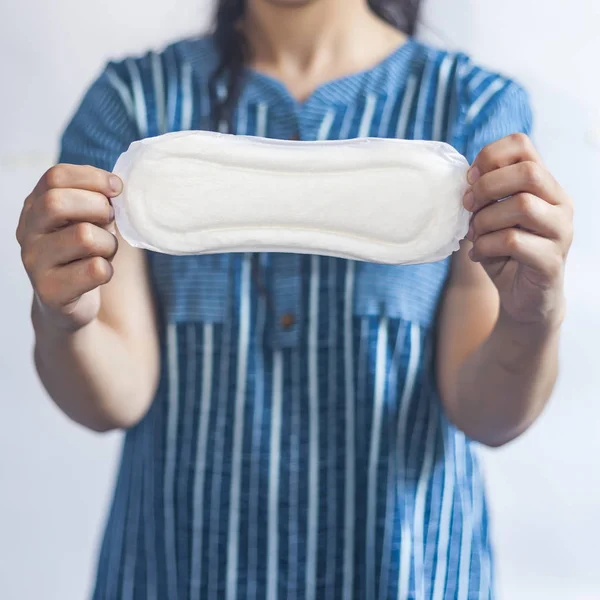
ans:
(93, 312)
(315, 41)
(504, 305)
(96, 348)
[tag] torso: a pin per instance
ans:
(297, 447)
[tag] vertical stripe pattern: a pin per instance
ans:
(275, 458)
(296, 447)
(350, 436)
(313, 455)
(372, 489)
(200, 461)
(238, 416)
(406, 531)
(171, 461)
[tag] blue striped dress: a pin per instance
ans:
(296, 447)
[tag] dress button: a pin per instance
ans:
(287, 320)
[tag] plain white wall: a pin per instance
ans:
(56, 478)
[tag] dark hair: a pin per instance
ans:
(233, 51)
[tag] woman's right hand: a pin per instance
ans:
(67, 238)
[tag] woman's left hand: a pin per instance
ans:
(521, 229)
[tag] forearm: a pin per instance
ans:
(92, 374)
(503, 386)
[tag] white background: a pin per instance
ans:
(56, 478)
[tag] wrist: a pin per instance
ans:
(518, 344)
(529, 332)
(548, 321)
(49, 325)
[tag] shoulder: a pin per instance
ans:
(476, 87)
(479, 105)
(197, 54)
(164, 90)
(163, 71)
(141, 96)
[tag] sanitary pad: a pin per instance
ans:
(370, 199)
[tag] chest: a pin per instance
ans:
(293, 296)
(298, 298)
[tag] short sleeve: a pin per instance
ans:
(103, 126)
(505, 113)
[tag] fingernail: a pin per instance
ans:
(111, 213)
(473, 175)
(115, 184)
(472, 254)
(469, 200)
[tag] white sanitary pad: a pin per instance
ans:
(370, 199)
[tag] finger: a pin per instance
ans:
(64, 284)
(81, 177)
(525, 177)
(523, 210)
(75, 242)
(526, 248)
(503, 153)
(57, 208)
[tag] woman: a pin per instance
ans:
(300, 427)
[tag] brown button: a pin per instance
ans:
(287, 320)
(295, 138)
